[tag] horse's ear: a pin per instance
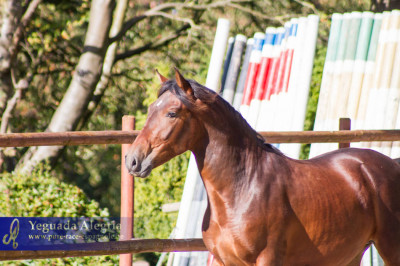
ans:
(183, 83)
(161, 77)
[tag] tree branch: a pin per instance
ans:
(308, 5)
(280, 19)
(127, 26)
(26, 18)
(152, 45)
(19, 87)
(158, 11)
(177, 18)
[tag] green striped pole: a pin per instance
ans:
(343, 81)
(334, 95)
(359, 64)
(348, 64)
(392, 114)
(329, 70)
(370, 67)
(332, 112)
(378, 73)
(371, 107)
(327, 77)
(382, 91)
(359, 122)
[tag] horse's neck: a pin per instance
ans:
(226, 165)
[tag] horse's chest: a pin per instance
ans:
(235, 243)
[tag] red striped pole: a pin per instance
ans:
(265, 65)
(264, 120)
(254, 65)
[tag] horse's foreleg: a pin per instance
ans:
(272, 255)
(215, 262)
(357, 260)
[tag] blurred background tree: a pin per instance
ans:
(82, 65)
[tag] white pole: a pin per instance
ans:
(305, 78)
(217, 54)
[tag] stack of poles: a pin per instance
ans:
(361, 77)
(361, 81)
(269, 85)
(277, 83)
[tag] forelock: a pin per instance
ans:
(202, 93)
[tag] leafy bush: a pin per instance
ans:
(164, 185)
(43, 195)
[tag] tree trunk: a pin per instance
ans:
(12, 12)
(101, 86)
(82, 86)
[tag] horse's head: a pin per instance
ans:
(170, 129)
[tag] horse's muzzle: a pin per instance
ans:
(137, 166)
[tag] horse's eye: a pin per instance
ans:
(171, 114)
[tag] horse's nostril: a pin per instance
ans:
(130, 162)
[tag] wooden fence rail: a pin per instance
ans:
(122, 137)
(108, 248)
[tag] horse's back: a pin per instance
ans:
(375, 171)
(376, 167)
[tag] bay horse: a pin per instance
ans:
(265, 208)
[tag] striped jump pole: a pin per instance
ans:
(391, 103)
(348, 65)
(254, 65)
(287, 96)
(370, 66)
(227, 62)
(327, 80)
(264, 71)
(237, 100)
(394, 121)
(333, 108)
(380, 88)
(280, 109)
(384, 79)
(294, 83)
(360, 62)
(234, 67)
(301, 99)
(272, 90)
(265, 117)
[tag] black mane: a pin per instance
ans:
(212, 99)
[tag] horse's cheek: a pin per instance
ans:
(164, 131)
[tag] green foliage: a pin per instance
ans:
(164, 185)
(52, 46)
(43, 195)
